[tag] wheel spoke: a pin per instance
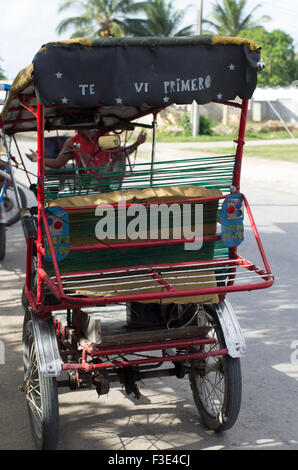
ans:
(35, 407)
(211, 386)
(216, 381)
(212, 393)
(33, 394)
(41, 395)
(215, 367)
(35, 389)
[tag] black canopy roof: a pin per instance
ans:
(106, 82)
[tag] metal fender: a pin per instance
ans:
(47, 350)
(233, 336)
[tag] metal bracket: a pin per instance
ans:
(46, 346)
(234, 339)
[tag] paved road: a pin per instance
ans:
(166, 418)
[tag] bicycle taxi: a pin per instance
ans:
(83, 252)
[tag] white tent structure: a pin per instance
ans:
(277, 97)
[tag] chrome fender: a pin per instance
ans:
(47, 350)
(233, 336)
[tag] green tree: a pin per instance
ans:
(161, 19)
(104, 18)
(278, 53)
(229, 18)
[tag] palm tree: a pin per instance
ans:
(230, 18)
(102, 18)
(161, 19)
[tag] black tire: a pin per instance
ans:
(218, 407)
(2, 241)
(41, 394)
(49, 298)
(25, 302)
(13, 214)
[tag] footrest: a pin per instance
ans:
(190, 282)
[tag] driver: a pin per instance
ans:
(87, 140)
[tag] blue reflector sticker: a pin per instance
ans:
(232, 215)
(58, 222)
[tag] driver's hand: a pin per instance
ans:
(32, 156)
(141, 138)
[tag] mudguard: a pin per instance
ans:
(47, 350)
(233, 336)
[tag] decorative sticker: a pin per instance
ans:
(232, 215)
(58, 222)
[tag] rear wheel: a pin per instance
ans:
(216, 383)
(13, 212)
(49, 298)
(41, 394)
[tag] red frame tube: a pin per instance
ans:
(56, 286)
(152, 360)
(28, 107)
(82, 301)
(50, 284)
(256, 234)
(69, 301)
(141, 244)
(240, 144)
(52, 252)
(154, 346)
(40, 198)
(29, 264)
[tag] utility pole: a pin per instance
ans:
(195, 108)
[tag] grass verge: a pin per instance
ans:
(274, 152)
(253, 135)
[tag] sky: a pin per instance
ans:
(25, 25)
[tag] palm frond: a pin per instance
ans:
(66, 4)
(77, 22)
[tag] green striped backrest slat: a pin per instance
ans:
(93, 260)
(210, 172)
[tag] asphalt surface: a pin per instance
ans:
(165, 417)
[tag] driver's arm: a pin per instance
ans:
(58, 162)
(140, 140)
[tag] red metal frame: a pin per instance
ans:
(240, 144)
(95, 351)
(139, 362)
(40, 198)
(55, 284)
